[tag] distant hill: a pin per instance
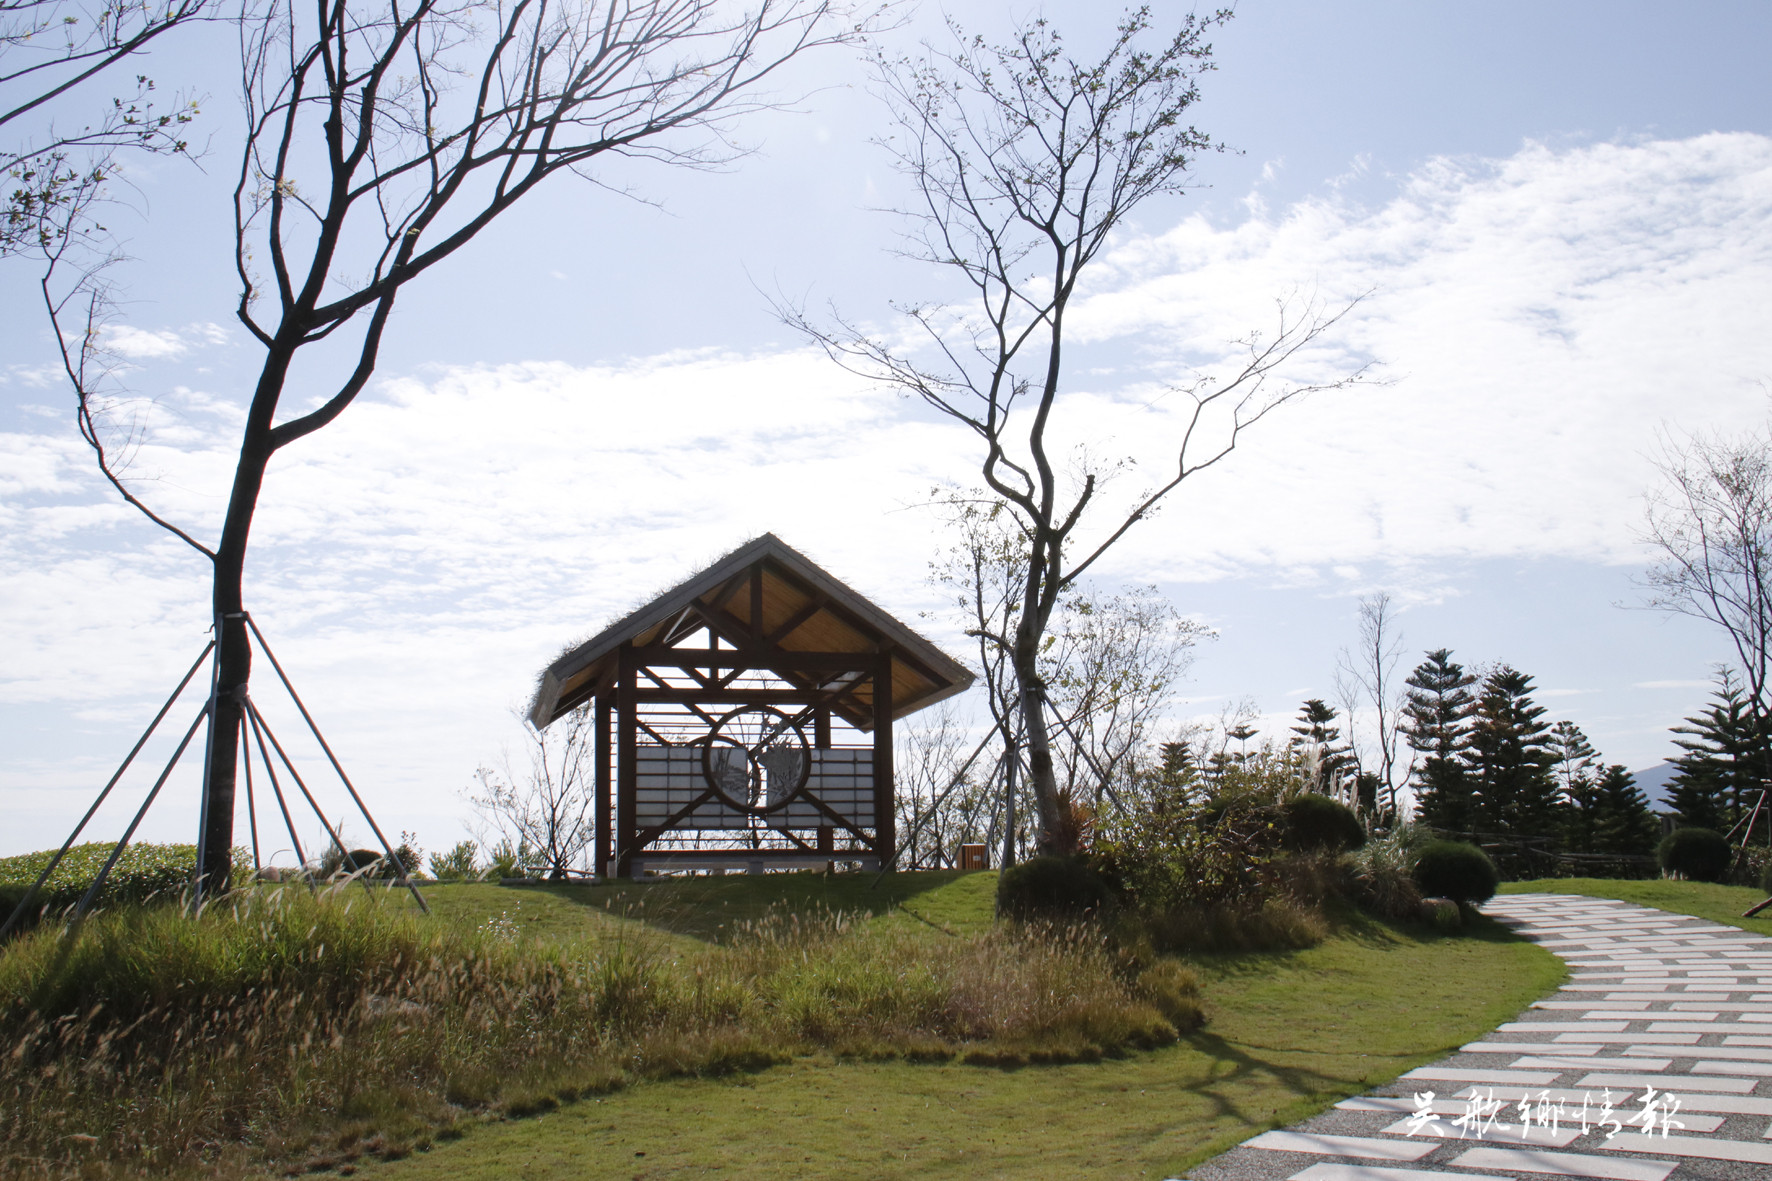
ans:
(1654, 782)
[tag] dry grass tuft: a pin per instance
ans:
(297, 1031)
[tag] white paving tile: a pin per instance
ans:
(1576, 1062)
(1335, 1172)
(1634, 1038)
(1467, 1075)
(1562, 1026)
(1567, 1164)
(1705, 1147)
(1323, 1145)
(1682, 1082)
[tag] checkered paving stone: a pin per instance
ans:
(1661, 1012)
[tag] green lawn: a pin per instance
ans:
(1721, 904)
(1288, 1033)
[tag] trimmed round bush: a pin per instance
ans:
(1697, 854)
(1051, 886)
(1315, 823)
(1456, 870)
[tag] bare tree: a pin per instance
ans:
(52, 52)
(380, 138)
(1024, 161)
(1110, 667)
(1710, 525)
(1366, 681)
(549, 809)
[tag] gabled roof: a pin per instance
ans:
(804, 609)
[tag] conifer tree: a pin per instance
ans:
(1578, 782)
(1315, 729)
(1719, 775)
(1622, 822)
(1436, 722)
(1509, 760)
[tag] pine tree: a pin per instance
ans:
(1436, 723)
(1335, 759)
(1722, 768)
(1623, 822)
(1577, 775)
(1509, 760)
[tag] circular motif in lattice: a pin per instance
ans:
(757, 758)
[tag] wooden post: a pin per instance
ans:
(605, 715)
(627, 761)
(885, 799)
(821, 727)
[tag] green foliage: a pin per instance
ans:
(277, 1017)
(1622, 820)
(1724, 760)
(1052, 886)
(143, 872)
(1314, 822)
(507, 860)
(1508, 758)
(1456, 870)
(1383, 871)
(1328, 757)
(457, 864)
(1696, 854)
(1436, 724)
(1170, 855)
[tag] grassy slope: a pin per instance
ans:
(1288, 1033)
(708, 908)
(1722, 904)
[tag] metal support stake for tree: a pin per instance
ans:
(30, 894)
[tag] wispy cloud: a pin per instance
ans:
(421, 558)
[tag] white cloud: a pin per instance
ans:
(140, 344)
(416, 562)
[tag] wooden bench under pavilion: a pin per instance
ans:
(743, 719)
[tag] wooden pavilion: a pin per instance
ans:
(749, 713)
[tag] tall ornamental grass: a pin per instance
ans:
(283, 1029)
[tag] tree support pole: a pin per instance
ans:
(393, 859)
(301, 858)
(30, 894)
(99, 881)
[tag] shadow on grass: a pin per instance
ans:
(712, 908)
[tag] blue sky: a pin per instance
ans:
(1563, 212)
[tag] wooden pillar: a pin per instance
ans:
(885, 798)
(821, 727)
(605, 717)
(627, 762)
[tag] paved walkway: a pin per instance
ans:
(1663, 1014)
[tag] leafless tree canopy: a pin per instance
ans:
(58, 55)
(381, 136)
(1367, 683)
(1024, 161)
(1710, 525)
(548, 809)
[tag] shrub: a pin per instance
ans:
(1313, 823)
(1697, 854)
(1051, 886)
(143, 872)
(1456, 870)
(1383, 872)
(458, 863)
